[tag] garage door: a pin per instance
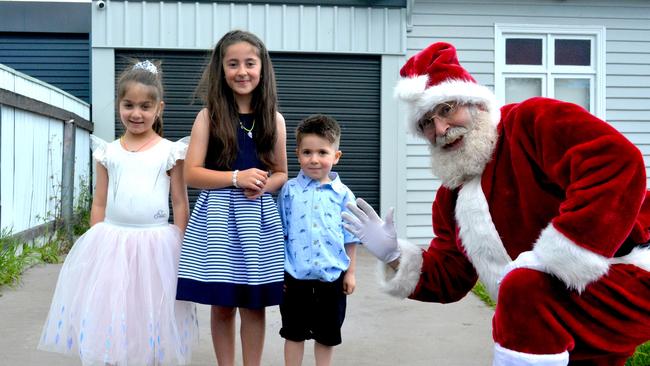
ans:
(346, 87)
(58, 59)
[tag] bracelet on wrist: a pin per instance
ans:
(234, 178)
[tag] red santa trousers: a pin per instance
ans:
(603, 325)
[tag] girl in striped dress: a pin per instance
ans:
(233, 251)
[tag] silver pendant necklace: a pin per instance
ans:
(249, 131)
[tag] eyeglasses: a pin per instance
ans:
(442, 110)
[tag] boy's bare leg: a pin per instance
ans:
(293, 353)
(323, 354)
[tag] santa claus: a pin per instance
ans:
(540, 200)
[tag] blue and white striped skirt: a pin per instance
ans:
(233, 251)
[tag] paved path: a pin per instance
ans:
(378, 330)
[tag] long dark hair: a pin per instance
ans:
(137, 72)
(222, 109)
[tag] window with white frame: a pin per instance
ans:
(559, 62)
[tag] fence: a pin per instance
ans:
(44, 152)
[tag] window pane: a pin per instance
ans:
(573, 90)
(573, 52)
(522, 51)
(518, 89)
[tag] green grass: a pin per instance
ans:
(49, 252)
(11, 264)
(15, 257)
(16, 254)
(81, 210)
(480, 291)
(640, 358)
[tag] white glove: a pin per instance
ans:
(377, 235)
(527, 259)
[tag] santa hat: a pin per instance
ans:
(434, 76)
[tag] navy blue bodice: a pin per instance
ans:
(247, 154)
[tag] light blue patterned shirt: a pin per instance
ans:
(313, 229)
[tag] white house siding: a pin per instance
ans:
(469, 25)
(31, 153)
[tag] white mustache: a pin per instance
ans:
(452, 134)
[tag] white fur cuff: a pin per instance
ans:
(507, 357)
(402, 283)
(639, 257)
(574, 265)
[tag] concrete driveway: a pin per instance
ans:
(378, 330)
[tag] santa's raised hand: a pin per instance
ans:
(377, 235)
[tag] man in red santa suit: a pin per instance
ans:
(540, 200)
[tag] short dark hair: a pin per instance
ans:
(320, 125)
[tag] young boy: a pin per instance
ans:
(319, 252)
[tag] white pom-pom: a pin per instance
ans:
(411, 89)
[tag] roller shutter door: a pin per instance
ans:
(344, 86)
(347, 88)
(62, 60)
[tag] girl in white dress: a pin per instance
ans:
(114, 302)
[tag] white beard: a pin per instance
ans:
(457, 166)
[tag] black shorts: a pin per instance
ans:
(312, 309)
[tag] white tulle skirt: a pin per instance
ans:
(115, 300)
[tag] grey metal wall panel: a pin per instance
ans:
(364, 3)
(45, 16)
(282, 27)
(344, 86)
(62, 60)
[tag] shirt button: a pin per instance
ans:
(315, 225)
(316, 207)
(316, 242)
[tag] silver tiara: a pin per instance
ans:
(146, 65)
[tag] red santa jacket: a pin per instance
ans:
(561, 183)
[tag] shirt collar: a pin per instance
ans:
(336, 184)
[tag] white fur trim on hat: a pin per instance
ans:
(411, 89)
(421, 99)
(572, 264)
(402, 283)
